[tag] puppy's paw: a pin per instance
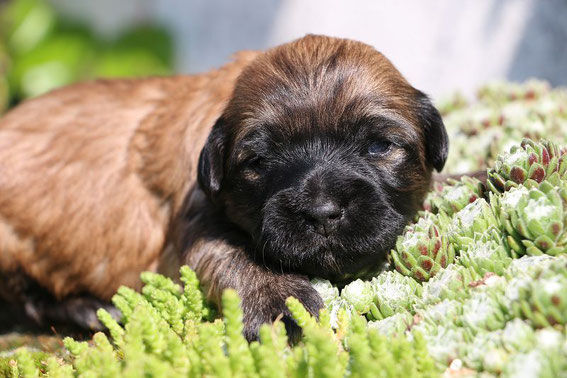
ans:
(266, 303)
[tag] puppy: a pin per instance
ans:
(318, 153)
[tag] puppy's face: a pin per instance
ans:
(322, 156)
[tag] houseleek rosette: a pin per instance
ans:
(543, 301)
(535, 219)
(483, 312)
(423, 250)
(393, 293)
(528, 164)
(326, 290)
(454, 195)
(475, 218)
(450, 283)
(518, 336)
(502, 92)
(486, 253)
(443, 314)
(359, 295)
(535, 363)
(396, 324)
(485, 352)
(528, 266)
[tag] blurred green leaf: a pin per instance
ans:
(129, 63)
(4, 89)
(25, 23)
(46, 50)
(62, 59)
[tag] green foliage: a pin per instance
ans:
(151, 342)
(41, 50)
(479, 287)
(424, 248)
(528, 164)
(498, 305)
(455, 196)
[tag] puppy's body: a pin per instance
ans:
(92, 174)
(318, 153)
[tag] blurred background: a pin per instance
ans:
(439, 45)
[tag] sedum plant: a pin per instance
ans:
(166, 332)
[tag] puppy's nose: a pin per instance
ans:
(324, 216)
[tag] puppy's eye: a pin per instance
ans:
(253, 162)
(379, 148)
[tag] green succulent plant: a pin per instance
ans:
(423, 250)
(359, 294)
(518, 336)
(486, 253)
(544, 300)
(396, 324)
(484, 352)
(445, 313)
(450, 283)
(475, 218)
(528, 164)
(535, 363)
(482, 312)
(454, 195)
(393, 293)
(501, 91)
(338, 308)
(326, 290)
(535, 219)
(444, 344)
(528, 266)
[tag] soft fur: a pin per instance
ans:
(98, 181)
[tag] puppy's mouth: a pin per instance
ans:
(329, 243)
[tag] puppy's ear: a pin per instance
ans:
(436, 139)
(211, 161)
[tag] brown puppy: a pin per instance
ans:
(318, 154)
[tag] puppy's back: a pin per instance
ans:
(91, 174)
(72, 207)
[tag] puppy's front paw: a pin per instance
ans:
(265, 303)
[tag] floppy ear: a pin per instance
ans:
(436, 139)
(211, 161)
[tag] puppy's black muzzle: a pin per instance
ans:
(328, 221)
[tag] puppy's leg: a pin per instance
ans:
(218, 253)
(220, 265)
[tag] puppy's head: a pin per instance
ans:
(322, 156)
